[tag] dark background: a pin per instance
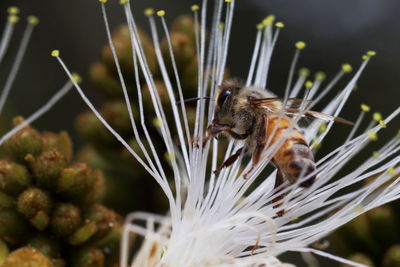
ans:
(336, 32)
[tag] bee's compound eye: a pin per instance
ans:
(223, 96)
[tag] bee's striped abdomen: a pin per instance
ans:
(294, 158)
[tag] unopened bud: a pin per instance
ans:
(103, 79)
(83, 234)
(24, 142)
(360, 258)
(14, 178)
(48, 166)
(392, 257)
(61, 142)
(35, 204)
(27, 257)
(65, 219)
(46, 245)
(13, 227)
(184, 25)
(89, 256)
(81, 184)
(383, 224)
(107, 221)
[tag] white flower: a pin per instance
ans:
(222, 220)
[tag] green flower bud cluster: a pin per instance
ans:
(372, 239)
(50, 213)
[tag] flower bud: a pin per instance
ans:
(3, 252)
(108, 224)
(61, 142)
(27, 257)
(392, 257)
(24, 142)
(35, 204)
(104, 80)
(190, 78)
(77, 181)
(88, 257)
(48, 166)
(184, 25)
(6, 201)
(384, 226)
(65, 219)
(83, 234)
(360, 258)
(184, 50)
(123, 46)
(46, 245)
(13, 227)
(90, 128)
(14, 178)
(116, 114)
(358, 233)
(162, 92)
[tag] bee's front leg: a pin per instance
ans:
(229, 160)
(214, 129)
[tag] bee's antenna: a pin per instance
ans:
(193, 99)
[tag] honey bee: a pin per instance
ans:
(253, 115)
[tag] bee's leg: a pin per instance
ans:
(229, 161)
(280, 196)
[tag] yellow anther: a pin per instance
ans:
(309, 84)
(347, 68)
(157, 122)
(377, 116)
(149, 12)
(371, 53)
(304, 72)
(382, 124)
(315, 144)
(161, 13)
(123, 2)
(195, 8)
(365, 108)
(13, 10)
(279, 25)
(33, 20)
(392, 171)
(260, 26)
(269, 20)
(373, 136)
(322, 128)
(320, 76)
(103, 1)
(365, 57)
(76, 78)
(55, 53)
(221, 25)
(169, 156)
(375, 154)
(13, 18)
(228, 1)
(300, 45)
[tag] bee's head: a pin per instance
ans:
(224, 100)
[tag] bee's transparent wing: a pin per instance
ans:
(274, 105)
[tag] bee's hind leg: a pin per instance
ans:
(229, 161)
